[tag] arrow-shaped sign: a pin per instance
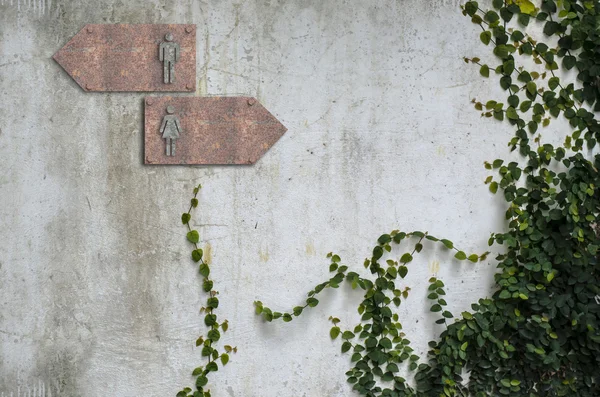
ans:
(132, 58)
(207, 130)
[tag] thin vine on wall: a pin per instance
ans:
(539, 334)
(207, 342)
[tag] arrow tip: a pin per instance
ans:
(270, 129)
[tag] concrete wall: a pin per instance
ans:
(98, 296)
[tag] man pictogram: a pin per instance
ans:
(169, 55)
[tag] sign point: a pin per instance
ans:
(208, 130)
(102, 61)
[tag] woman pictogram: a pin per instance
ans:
(170, 130)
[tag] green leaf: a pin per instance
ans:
(406, 258)
(197, 371)
(403, 271)
(197, 255)
(193, 236)
(214, 335)
(384, 239)
(210, 320)
(526, 6)
(224, 359)
(201, 381)
(569, 61)
(501, 51)
(485, 37)
(491, 16)
(471, 7)
(494, 187)
(508, 67)
(377, 252)
(386, 343)
(525, 105)
(553, 83)
(460, 255)
(185, 218)
(449, 244)
(484, 71)
(551, 27)
(346, 346)
(212, 302)
(335, 331)
(505, 294)
(212, 366)
(298, 310)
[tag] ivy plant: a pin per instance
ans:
(377, 344)
(539, 333)
(207, 342)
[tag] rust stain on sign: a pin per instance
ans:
(132, 57)
(207, 130)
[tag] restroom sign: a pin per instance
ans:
(144, 57)
(207, 130)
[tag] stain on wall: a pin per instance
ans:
(98, 295)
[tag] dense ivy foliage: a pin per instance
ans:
(215, 327)
(378, 344)
(538, 335)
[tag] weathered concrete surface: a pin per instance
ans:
(97, 294)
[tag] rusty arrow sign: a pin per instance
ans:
(207, 130)
(132, 57)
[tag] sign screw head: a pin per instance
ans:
(89, 29)
(188, 29)
(148, 101)
(88, 87)
(251, 101)
(189, 86)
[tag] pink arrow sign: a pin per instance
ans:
(207, 130)
(132, 58)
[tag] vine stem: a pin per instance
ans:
(206, 279)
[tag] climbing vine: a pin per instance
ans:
(539, 333)
(207, 342)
